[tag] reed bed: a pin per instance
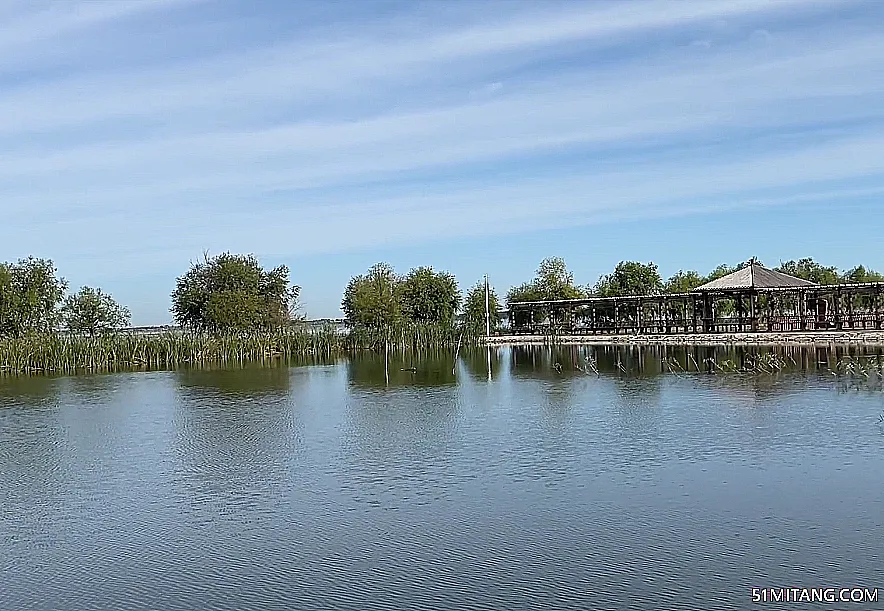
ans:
(868, 369)
(107, 352)
(864, 367)
(767, 363)
(860, 372)
(65, 353)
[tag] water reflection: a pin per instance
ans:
(326, 488)
(236, 434)
(32, 443)
(431, 368)
(421, 424)
(656, 360)
(33, 391)
(477, 362)
(248, 381)
(557, 361)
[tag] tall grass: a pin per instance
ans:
(66, 353)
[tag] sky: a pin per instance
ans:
(474, 137)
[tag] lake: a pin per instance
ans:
(334, 486)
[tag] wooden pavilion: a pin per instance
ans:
(752, 299)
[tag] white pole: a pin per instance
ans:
(487, 313)
(487, 329)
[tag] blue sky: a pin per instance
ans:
(476, 137)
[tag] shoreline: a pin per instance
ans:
(812, 338)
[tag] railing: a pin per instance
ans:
(777, 323)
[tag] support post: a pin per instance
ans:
(877, 306)
(802, 310)
(753, 311)
(740, 312)
(708, 314)
(639, 319)
(837, 304)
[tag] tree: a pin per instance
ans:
(474, 307)
(91, 312)
(552, 282)
(808, 269)
(527, 291)
(428, 296)
(524, 292)
(630, 278)
(30, 295)
(372, 299)
(233, 293)
(720, 272)
(861, 274)
(683, 282)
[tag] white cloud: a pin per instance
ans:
(36, 22)
(691, 100)
(391, 130)
(761, 35)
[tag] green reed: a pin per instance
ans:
(66, 353)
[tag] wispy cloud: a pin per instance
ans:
(433, 122)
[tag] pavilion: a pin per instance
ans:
(750, 300)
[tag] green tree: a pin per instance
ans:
(428, 296)
(92, 311)
(527, 291)
(720, 272)
(233, 293)
(683, 282)
(30, 295)
(474, 307)
(861, 274)
(552, 282)
(808, 269)
(372, 300)
(630, 278)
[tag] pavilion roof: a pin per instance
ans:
(754, 276)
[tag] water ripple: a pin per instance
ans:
(294, 490)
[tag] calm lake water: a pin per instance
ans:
(327, 487)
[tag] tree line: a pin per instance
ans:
(223, 294)
(381, 298)
(34, 300)
(231, 294)
(553, 281)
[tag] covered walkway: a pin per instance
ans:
(753, 299)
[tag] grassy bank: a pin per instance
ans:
(65, 353)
